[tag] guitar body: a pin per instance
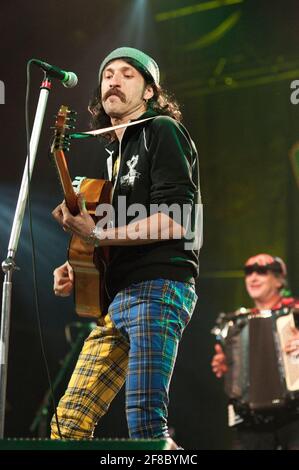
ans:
(89, 263)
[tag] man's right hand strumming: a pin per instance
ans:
(219, 365)
(63, 280)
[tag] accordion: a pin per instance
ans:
(261, 376)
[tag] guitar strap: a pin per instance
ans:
(88, 134)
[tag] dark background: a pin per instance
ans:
(231, 68)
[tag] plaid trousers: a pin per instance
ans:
(136, 342)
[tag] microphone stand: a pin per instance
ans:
(9, 265)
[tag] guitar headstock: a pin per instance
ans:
(63, 125)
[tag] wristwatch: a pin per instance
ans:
(93, 238)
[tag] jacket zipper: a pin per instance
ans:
(114, 186)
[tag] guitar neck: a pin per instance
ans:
(66, 182)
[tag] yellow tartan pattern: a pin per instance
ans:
(99, 374)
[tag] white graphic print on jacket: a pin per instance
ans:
(129, 178)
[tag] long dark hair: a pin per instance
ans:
(161, 102)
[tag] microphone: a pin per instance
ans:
(68, 79)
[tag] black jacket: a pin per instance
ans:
(158, 164)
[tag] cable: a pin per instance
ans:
(35, 288)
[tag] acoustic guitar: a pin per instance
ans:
(89, 263)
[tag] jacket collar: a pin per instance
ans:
(131, 130)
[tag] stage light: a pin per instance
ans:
(139, 25)
(192, 9)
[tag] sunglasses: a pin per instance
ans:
(262, 269)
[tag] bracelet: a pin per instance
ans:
(94, 237)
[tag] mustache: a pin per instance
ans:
(114, 91)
